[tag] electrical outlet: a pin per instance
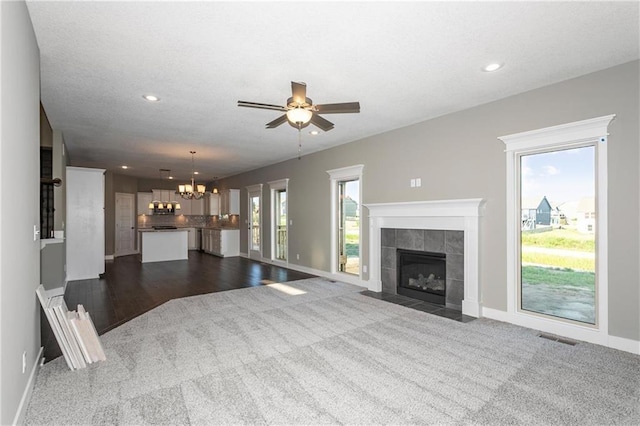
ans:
(412, 183)
(290, 221)
(364, 269)
(36, 233)
(24, 362)
(297, 256)
(418, 182)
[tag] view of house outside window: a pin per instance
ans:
(558, 233)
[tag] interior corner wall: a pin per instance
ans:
(59, 171)
(19, 162)
(46, 134)
(459, 156)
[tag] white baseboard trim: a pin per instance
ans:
(28, 391)
(548, 326)
(623, 344)
(495, 314)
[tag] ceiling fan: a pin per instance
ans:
(300, 110)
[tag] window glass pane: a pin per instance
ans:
(255, 223)
(558, 233)
(349, 226)
(281, 224)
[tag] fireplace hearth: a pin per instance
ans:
(422, 275)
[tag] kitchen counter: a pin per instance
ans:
(221, 242)
(159, 245)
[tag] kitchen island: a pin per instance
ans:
(159, 245)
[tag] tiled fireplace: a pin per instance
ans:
(434, 244)
(448, 227)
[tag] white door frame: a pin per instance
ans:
(562, 136)
(131, 224)
(336, 176)
(275, 187)
(254, 191)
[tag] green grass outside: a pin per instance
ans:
(556, 261)
(568, 239)
(352, 239)
(536, 275)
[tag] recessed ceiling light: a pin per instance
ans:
(196, 173)
(492, 67)
(125, 167)
(314, 132)
(170, 177)
(151, 98)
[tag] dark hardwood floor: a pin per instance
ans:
(130, 288)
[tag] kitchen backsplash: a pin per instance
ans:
(182, 221)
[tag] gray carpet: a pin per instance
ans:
(332, 355)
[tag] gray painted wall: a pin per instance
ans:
(19, 154)
(459, 156)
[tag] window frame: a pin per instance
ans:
(571, 135)
(275, 187)
(335, 176)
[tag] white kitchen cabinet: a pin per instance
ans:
(85, 223)
(212, 204)
(194, 241)
(197, 206)
(230, 201)
(221, 242)
(230, 242)
(144, 198)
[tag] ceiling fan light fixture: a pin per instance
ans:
(299, 115)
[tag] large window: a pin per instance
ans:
(255, 221)
(557, 237)
(346, 190)
(349, 226)
(279, 225)
(557, 228)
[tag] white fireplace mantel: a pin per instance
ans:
(457, 215)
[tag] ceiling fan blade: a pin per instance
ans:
(278, 121)
(320, 122)
(299, 91)
(247, 104)
(345, 107)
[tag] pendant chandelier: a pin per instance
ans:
(191, 191)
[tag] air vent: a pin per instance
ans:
(558, 339)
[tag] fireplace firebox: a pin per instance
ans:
(422, 275)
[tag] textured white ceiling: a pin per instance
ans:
(404, 62)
